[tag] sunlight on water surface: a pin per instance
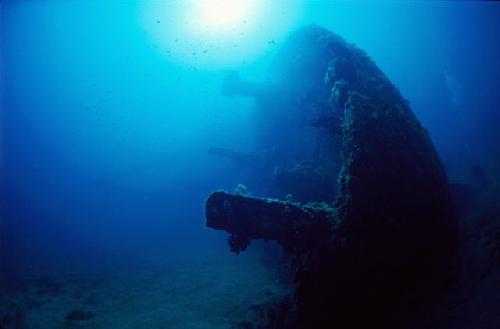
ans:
(218, 33)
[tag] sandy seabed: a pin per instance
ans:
(214, 292)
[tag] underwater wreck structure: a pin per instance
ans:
(385, 243)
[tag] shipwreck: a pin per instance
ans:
(382, 245)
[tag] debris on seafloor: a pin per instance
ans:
(384, 245)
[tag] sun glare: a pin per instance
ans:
(217, 33)
(223, 13)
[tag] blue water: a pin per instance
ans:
(108, 110)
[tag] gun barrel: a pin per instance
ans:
(230, 154)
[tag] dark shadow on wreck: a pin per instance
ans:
(380, 246)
